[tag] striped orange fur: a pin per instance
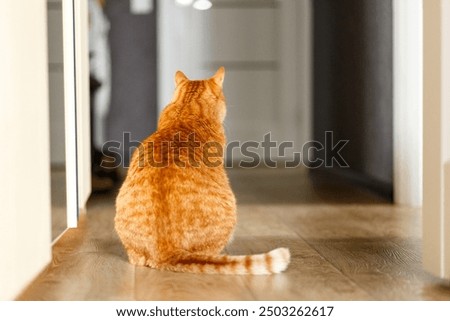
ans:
(175, 210)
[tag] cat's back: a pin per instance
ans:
(173, 166)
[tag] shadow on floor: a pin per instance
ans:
(296, 186)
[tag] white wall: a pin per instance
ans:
(266, 50)
(76, 107)
(81, 24)
(296, 58)
(24, 137)
(408, 83)
(181, 46)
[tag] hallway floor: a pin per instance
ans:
(346, 244)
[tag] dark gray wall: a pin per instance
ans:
(133, 59)
(353, 85)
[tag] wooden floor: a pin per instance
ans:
(346, 244)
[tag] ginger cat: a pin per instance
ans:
(175, 210)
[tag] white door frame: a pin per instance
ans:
(436, 138)
(408, 96)
(77, 108)
(70, 113)
(422, 122)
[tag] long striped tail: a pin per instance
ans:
(275, 261)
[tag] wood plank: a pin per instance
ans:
(351, 221)
(381, 267)
(158, 285)
(376, 246)
(294, 186)
(309, 276)
(340, 251)
(88, 264)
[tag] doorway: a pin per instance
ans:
(353, 90)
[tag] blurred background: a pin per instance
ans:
(294, 68)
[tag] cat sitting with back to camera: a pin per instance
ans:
(180, 216)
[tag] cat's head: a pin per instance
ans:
(203, 98)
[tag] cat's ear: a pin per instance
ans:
(219, 76)
(180, 77)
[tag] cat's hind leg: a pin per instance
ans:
(136, 258)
